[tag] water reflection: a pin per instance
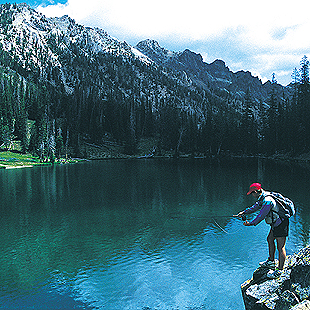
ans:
(137, 234)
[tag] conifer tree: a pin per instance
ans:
(304, 104)
(272, 126)
(247, 129)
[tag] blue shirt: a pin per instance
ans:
(265, 204)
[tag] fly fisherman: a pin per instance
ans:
(268, 208)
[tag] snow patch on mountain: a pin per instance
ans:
(141, 56)
(38, 30)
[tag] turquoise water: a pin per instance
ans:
(137, 234)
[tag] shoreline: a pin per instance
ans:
(16, 160)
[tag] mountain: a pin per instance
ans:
(40, 43)
(208, 76)
(77, 84)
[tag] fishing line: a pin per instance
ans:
(199, 218)
(210, 217)
(219, 226)
(160, 231)
(224, 230)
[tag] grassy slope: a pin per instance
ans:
(15, 159)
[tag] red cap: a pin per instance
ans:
(254, 187)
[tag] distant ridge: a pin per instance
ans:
(214, 75)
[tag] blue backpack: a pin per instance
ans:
(286, 206)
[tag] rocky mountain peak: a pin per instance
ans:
(218, 63)
(153, 50)
(63, 22)
(191, 57)
(24, 14)
(215, 75)
(151, 44)
(218, 69)
(38, 41)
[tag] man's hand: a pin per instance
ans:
(239, 214)
(247, 223)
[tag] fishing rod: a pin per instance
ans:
(243, 218)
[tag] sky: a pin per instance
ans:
(263, 37)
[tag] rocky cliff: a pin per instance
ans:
(215, 75)
(290, 291)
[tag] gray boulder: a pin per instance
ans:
(290, 291)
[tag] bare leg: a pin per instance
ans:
(282, 253)
(271, 245)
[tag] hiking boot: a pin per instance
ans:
(268, 263)
(273, 274)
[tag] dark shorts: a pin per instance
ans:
(282, 229)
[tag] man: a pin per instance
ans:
(268, 210)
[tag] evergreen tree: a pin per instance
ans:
(271, 143)
(247, 129)
(59, 143)
(205, 132)
(303, 105)
(296, 81)
(170, 126)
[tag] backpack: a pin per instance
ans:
(286, 206)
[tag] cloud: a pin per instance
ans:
(251, 36)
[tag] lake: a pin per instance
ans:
(138, 234)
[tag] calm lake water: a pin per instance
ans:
(137, 235)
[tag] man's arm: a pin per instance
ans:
(266, 207)
(249, 210)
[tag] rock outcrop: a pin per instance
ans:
(290, 291)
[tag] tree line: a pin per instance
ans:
(122, 100)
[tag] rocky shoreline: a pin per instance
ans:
(290, 291)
